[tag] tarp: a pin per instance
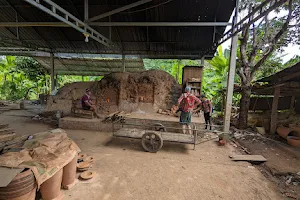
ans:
(45, 154)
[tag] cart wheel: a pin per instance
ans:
(152, 142)
(159, 127)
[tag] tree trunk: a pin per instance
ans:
(244, 106)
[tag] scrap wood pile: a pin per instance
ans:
(171, 112)
(6, 136)
(2, 104)
(115, 117)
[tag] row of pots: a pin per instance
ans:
(291, 134)
(23, 186)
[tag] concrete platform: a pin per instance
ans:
(132, 118)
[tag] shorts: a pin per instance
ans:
(86, 107)
(186, 118)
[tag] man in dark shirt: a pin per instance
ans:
(207, 110)
(87, 103)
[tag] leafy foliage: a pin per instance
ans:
(24, 77)
(258, 43)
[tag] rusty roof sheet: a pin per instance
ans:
(291, 74)
(151, 42)
(91, 66)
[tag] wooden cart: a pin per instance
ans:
(153, 136)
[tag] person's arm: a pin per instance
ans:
(179, 100)
(88, 103)
(210, 108)
(197, 101)
(86, 100)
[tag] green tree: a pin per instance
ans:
(257, 43)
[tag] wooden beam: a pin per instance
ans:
(273, 123)
(52, 72)
(112, 12)
(292, 104)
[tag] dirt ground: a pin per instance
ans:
(125, 171)
(283, 163)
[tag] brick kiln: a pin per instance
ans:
(147, 91)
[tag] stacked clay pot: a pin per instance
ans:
(22, 187)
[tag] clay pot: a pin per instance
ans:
(50, 189)
(293, 141)
(87, 175)
(69, 173)
(283, 131)
(19, 187)
(295, 127)
(29, 196)
(222, 142)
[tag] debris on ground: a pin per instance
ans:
(6, 135)
(2, 104)
(115, 117)
(172, 112)
(48, 117)
(291, 195)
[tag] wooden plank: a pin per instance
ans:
(3, 126)
(256, 158)
(7, 137)
(166, 136)
(83, 113)
(6, 131)
(130, 132)
(177, 137)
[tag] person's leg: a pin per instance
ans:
(209, 121)
(93, 108)
(206, 120)
(189, 129)
(183, 128)
(190, 114)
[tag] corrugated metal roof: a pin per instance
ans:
(91, 66)
(158, 42)
(291, 74)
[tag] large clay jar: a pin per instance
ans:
(283, 131)
(50, 189)
(22, 187)
(295, 127)
(69, 174)
(29, 196)
(293, 141)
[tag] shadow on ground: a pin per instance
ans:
(135, 144)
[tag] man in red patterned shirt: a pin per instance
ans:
(187, 102)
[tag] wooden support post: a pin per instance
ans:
(178, 71)
(52, 72)
(273, 124)
(230, 84)
(202, 61)
(231, 75)
(123, 63)
(56, 81)
(292, 104)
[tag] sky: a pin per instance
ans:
(288, 52)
